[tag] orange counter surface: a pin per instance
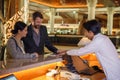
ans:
(27, 69)
(36, 69)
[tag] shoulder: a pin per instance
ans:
(30, 27)
(43, 26)
(100, 38)
(11, 41)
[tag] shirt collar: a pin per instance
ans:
(96, 35)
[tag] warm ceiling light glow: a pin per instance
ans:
(116, 1)
(65, 5)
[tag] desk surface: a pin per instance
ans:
(13, 65)
(97, 76)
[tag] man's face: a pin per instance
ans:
(88, 34)
(37, 22)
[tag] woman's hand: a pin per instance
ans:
(36, 54)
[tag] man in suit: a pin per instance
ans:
(37, 36)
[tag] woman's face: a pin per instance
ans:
(23, 33)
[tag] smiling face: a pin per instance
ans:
(23, 33)
(88, 34)
(37, 22)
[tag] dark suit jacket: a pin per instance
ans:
(30, 45)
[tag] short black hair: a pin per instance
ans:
(37, 14)
(92, 25)
(18, 26)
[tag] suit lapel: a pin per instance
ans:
(41, 35)
(31, 35)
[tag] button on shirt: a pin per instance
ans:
(106, 54)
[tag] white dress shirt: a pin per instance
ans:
(106, 54)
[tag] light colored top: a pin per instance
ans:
(16, 51)
(106, 54)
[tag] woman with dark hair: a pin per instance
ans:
(15, 46)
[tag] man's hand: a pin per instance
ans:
(61, 52)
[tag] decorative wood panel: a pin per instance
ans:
(8, 26)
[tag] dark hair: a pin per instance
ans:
(92, 25)
(37, 14)
(18, 26)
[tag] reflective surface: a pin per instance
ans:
(13, 65)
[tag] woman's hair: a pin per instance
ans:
(37, 14)
(92, 25)
(18, 26)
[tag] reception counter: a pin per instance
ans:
(36, 69)
(27, 69)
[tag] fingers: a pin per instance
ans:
(36, 54)
(61, 51)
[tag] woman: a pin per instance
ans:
(15, 46)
